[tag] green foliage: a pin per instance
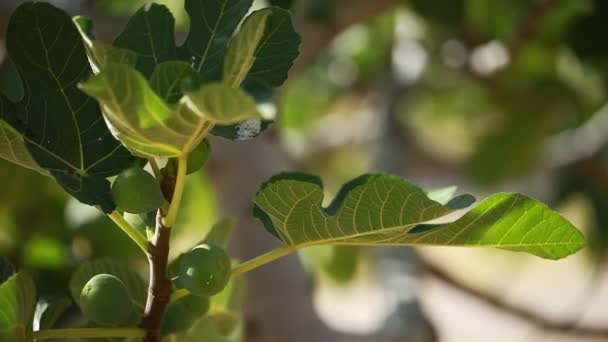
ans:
(82, 111)
(262, 52)
(61, 127)
(182, 313)
(136, 191)
(199, 156)
(135, 285)
(149, 33)
(17, 304)
(205, 270)
(385, 210)
(144, 223)
(223, 322)
(105, 300)
(149, 126)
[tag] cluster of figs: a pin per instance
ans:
(204, 271)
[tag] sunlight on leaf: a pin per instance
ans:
(386, 210)
(264, 49)
(148, 126)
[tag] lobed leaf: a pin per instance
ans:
(385, 210)
(61, 127)
(17, 305)
(148, 126)
(150, 34)
(263, 51)
(212, 24)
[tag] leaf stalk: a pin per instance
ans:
(74, 333)
(133, 233)
(261, 260)
(180, 182)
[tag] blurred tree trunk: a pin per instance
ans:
(277, 305)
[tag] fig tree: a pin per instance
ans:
(205, 270)
(105, 300)
(136, 191)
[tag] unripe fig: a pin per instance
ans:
(198, 157)
(204, 271)
(136, 191)
(183, 312)
(105, 300)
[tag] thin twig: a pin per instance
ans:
(542, 323)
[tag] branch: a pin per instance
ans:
(567, 327)
(159, 288)
(75, 333)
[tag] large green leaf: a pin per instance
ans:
(147, 125)
(212, 24)
(17, 305)
(263, 51)
(62, 128)
(150, 33)
(86, 271)
(386, 210)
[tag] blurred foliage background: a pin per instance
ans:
(502, 95)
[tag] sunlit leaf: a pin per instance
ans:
(222, 104)
(384, 210)
(170, 79)
(262, 52)
(148, 126)
(212, 24)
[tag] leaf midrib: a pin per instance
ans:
(63, 94)
(213, 31)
